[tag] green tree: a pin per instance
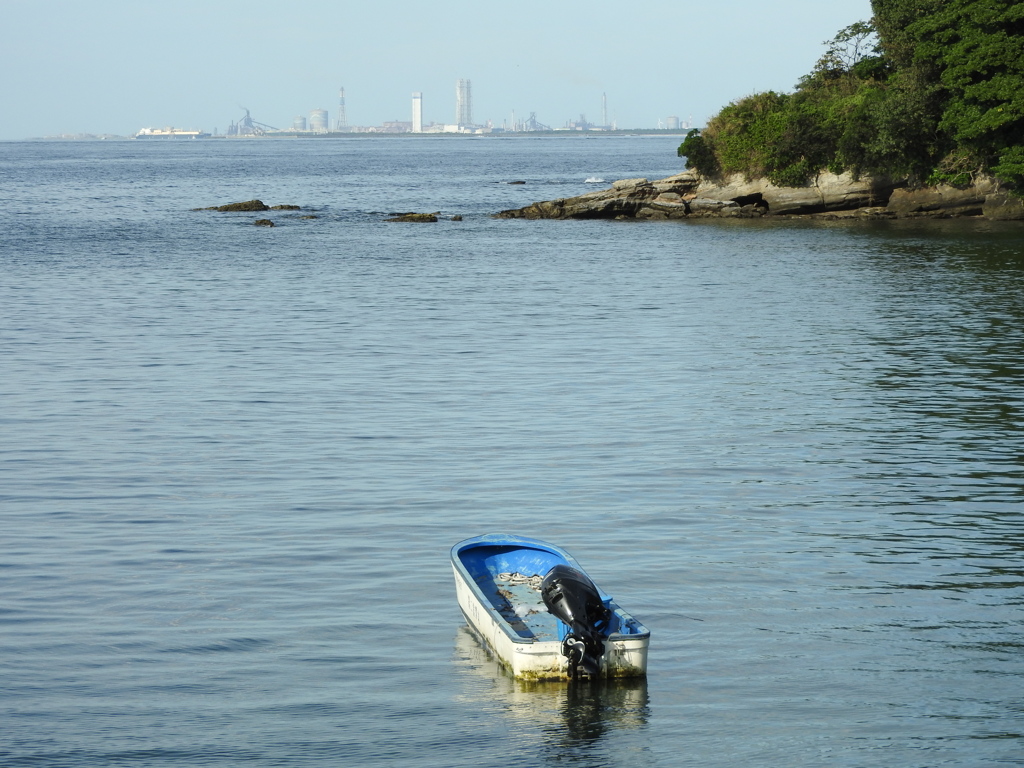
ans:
(893, 20)
(978, 47)
(848, 49)
(929, 90)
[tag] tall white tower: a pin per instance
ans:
(342, 119)
(463, 103)
(417, 112)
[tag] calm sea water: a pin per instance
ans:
(233, 460)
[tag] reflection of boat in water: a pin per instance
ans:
(587, 722)
(569, 716)
(541, 615)
(593, 709)
(169, 134)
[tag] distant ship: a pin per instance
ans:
(169, 133)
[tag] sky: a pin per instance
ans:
(115, 66)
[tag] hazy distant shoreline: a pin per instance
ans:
(638, 132)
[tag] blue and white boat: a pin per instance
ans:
(539, 613)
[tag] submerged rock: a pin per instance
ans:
(249, 205)
(414, 217)
(263, 223)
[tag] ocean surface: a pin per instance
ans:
(233, 460)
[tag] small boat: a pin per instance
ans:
(539, 613)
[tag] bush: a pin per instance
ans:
(742, 135)
(1010, 169)
(698, 154)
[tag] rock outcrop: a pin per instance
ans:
(414, 217)
(688, 195)
(249, 205)
(1002, 206)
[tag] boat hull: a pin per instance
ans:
(511, 621)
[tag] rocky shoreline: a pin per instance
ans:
(688, 195)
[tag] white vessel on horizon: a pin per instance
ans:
(170, 133)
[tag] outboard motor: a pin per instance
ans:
(574, 599)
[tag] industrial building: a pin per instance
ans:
(463, 104)
(318, 121)
(417, 112)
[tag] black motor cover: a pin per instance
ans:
(573, 598)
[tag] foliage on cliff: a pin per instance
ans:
(928, 89)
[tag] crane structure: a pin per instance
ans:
(342, 124)
(533, 125)
(249, 127)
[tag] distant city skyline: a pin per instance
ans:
(116, 66)
(319, 120)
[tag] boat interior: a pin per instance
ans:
(510, 577)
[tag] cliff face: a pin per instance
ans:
(688, 195)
